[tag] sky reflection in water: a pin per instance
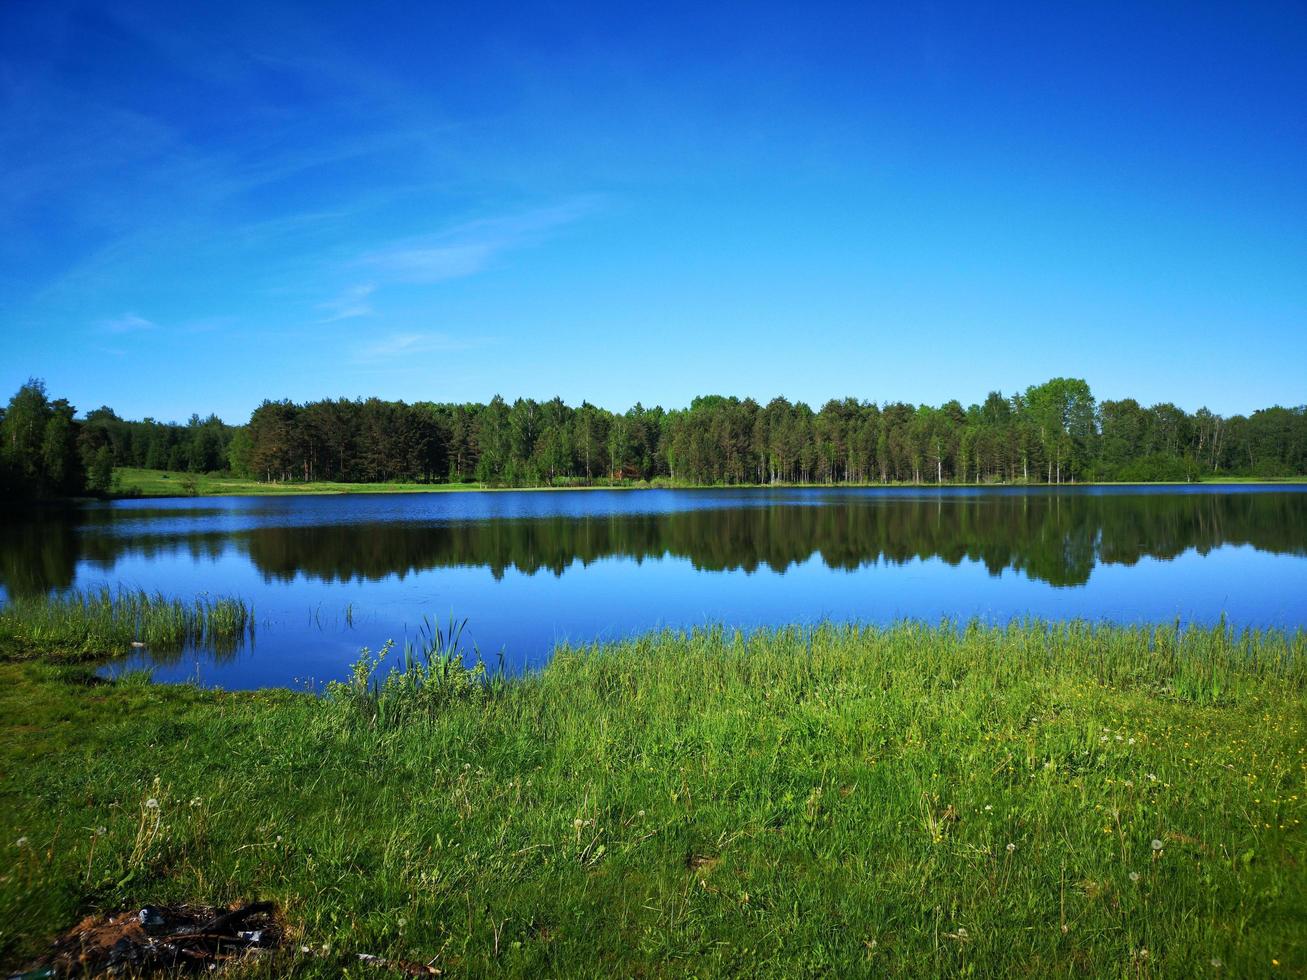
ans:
(530, 569)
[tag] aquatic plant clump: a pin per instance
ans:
(84, 624)
(430, 675)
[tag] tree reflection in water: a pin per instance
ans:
(1051, 537)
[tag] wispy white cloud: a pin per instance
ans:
(127, 323)
(453, 253)
(467, 249)
(425, 342)
(433, 263)
(353, 302)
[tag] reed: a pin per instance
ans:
(429, 674)
(88, 624)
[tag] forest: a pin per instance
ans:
(1055, 432)
(47, 452)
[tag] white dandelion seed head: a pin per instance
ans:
(1011, 848)
(1134, 875)
(151, 804)
(1157, 844)
(21, 842)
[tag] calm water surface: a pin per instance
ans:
(328, 575)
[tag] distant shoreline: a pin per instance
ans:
(139, 484)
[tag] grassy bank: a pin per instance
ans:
(914, 801)
(161, 483)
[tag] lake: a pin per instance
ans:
(327, 575)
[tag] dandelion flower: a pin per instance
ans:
(578, 823)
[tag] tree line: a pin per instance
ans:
(1049, 433)
(47, 452)
(1055, 432)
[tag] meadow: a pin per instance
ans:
(136, 482)
(132, 482)
(914, 800)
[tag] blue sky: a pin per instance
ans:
(203, 205)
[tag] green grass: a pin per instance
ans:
(132, 482)
(86, 625)
(913, 801)
(162, 483)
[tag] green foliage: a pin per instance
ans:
(1054, 433)
(1032, 800)
(38, 446)
(199, 446)
(46, 452)
(99, 477)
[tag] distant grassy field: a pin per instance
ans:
(161, 483)
(913, 801)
